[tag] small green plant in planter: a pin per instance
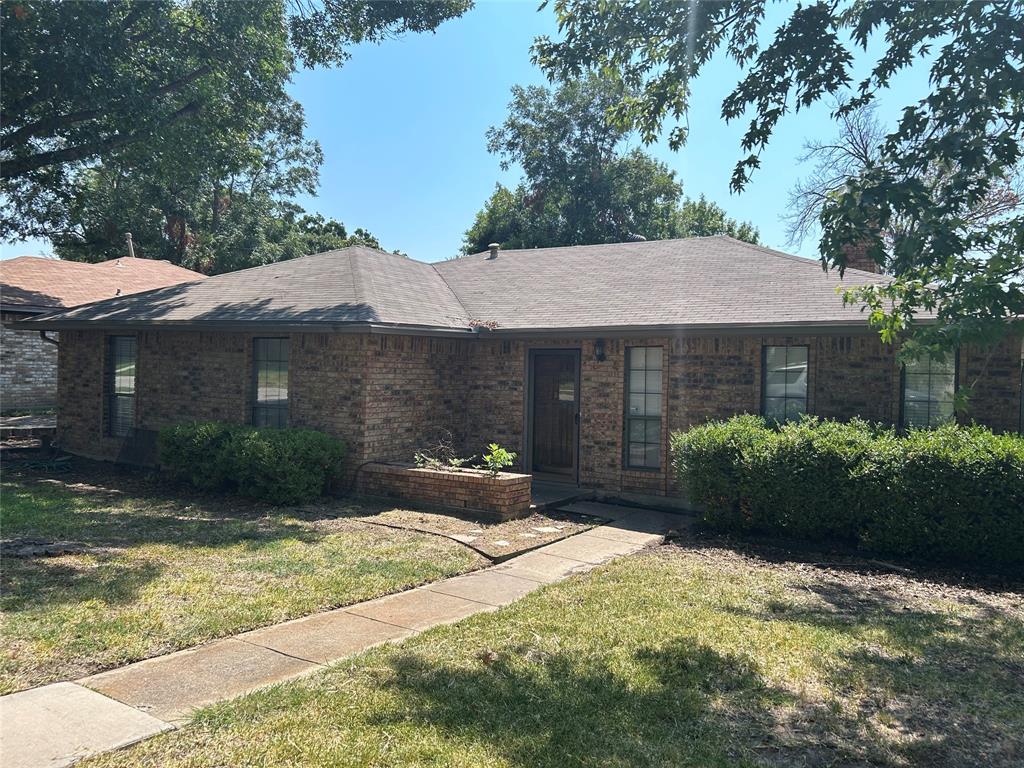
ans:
(498, 459)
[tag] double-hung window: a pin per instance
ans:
(929, 386)
(270, 383)
(120, 385)
(784, 382)
(643, 407)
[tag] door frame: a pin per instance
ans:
(574, 476)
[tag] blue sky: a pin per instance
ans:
(402, 127)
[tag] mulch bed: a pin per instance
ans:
(494, 540)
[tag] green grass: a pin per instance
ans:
(170, 571)
(685, 657)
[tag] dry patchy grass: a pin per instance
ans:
(690, 655)
(166, 569)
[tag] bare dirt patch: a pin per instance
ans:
(495, 540)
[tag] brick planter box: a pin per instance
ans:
(504, 497)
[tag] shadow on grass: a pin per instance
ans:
(949, 683)
(561, 710)
(103, 516)
(32, 584)
(680, 704)
(115, 521)
(844, 557)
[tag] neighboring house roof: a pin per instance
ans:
(709, 282)
(36, 284)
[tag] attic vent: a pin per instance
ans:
(494, 247)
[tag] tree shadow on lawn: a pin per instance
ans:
(680, 704)
(948, 684)
(35, 583)
(841, 556)
(116, 526)
(73, 509)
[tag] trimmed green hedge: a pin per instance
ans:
(281, 466)
(954, 494)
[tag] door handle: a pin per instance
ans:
(576, 417)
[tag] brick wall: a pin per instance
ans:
(28, 368)
(386, 396)
(993, 377)
(504, 497)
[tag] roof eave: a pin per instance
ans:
(247, 326)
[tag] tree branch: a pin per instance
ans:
(22, 165)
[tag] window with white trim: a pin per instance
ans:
(643, 407)
(784, 382)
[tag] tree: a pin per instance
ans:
(702, 218)
(88, 83)
(579, 185)
(968, 125)
(855, 149)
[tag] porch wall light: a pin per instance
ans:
(599, 350)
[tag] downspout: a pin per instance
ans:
(44, 337)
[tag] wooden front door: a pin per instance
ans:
(555, 401)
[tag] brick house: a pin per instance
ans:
(31, 285)
(582, 359)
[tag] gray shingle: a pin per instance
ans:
(703, 282)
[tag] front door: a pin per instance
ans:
(555, 402)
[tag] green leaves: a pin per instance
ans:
(950, 495)
(931, 185)
(580, 187)
(176, 99)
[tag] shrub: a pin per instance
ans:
(285, 466)
(281, 466)
(952, 494)
(199, 453)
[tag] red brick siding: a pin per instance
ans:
(414, 389)
(855, 376)
(994, 379)
(504, 497)
(325, 381)
(386, 395)
(188, 376)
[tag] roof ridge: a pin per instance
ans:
(451, 290)
(791, 257)
(587, 245)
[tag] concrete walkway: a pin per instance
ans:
(55, 725)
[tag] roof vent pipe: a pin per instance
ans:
(494, 250)
(131, 245)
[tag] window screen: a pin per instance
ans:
(270, 374)
(643, 407)
(784, 382)
(928, 390)
(120, 384)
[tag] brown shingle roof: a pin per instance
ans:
(32, 283)
(711, 282)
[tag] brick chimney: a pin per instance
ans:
(857, 258)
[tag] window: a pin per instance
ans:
(928, 389)
(270, 399)
(784, 382)
(120, 385)
(643, 407)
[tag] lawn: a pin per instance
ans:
(692, 654)
(166, 569)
